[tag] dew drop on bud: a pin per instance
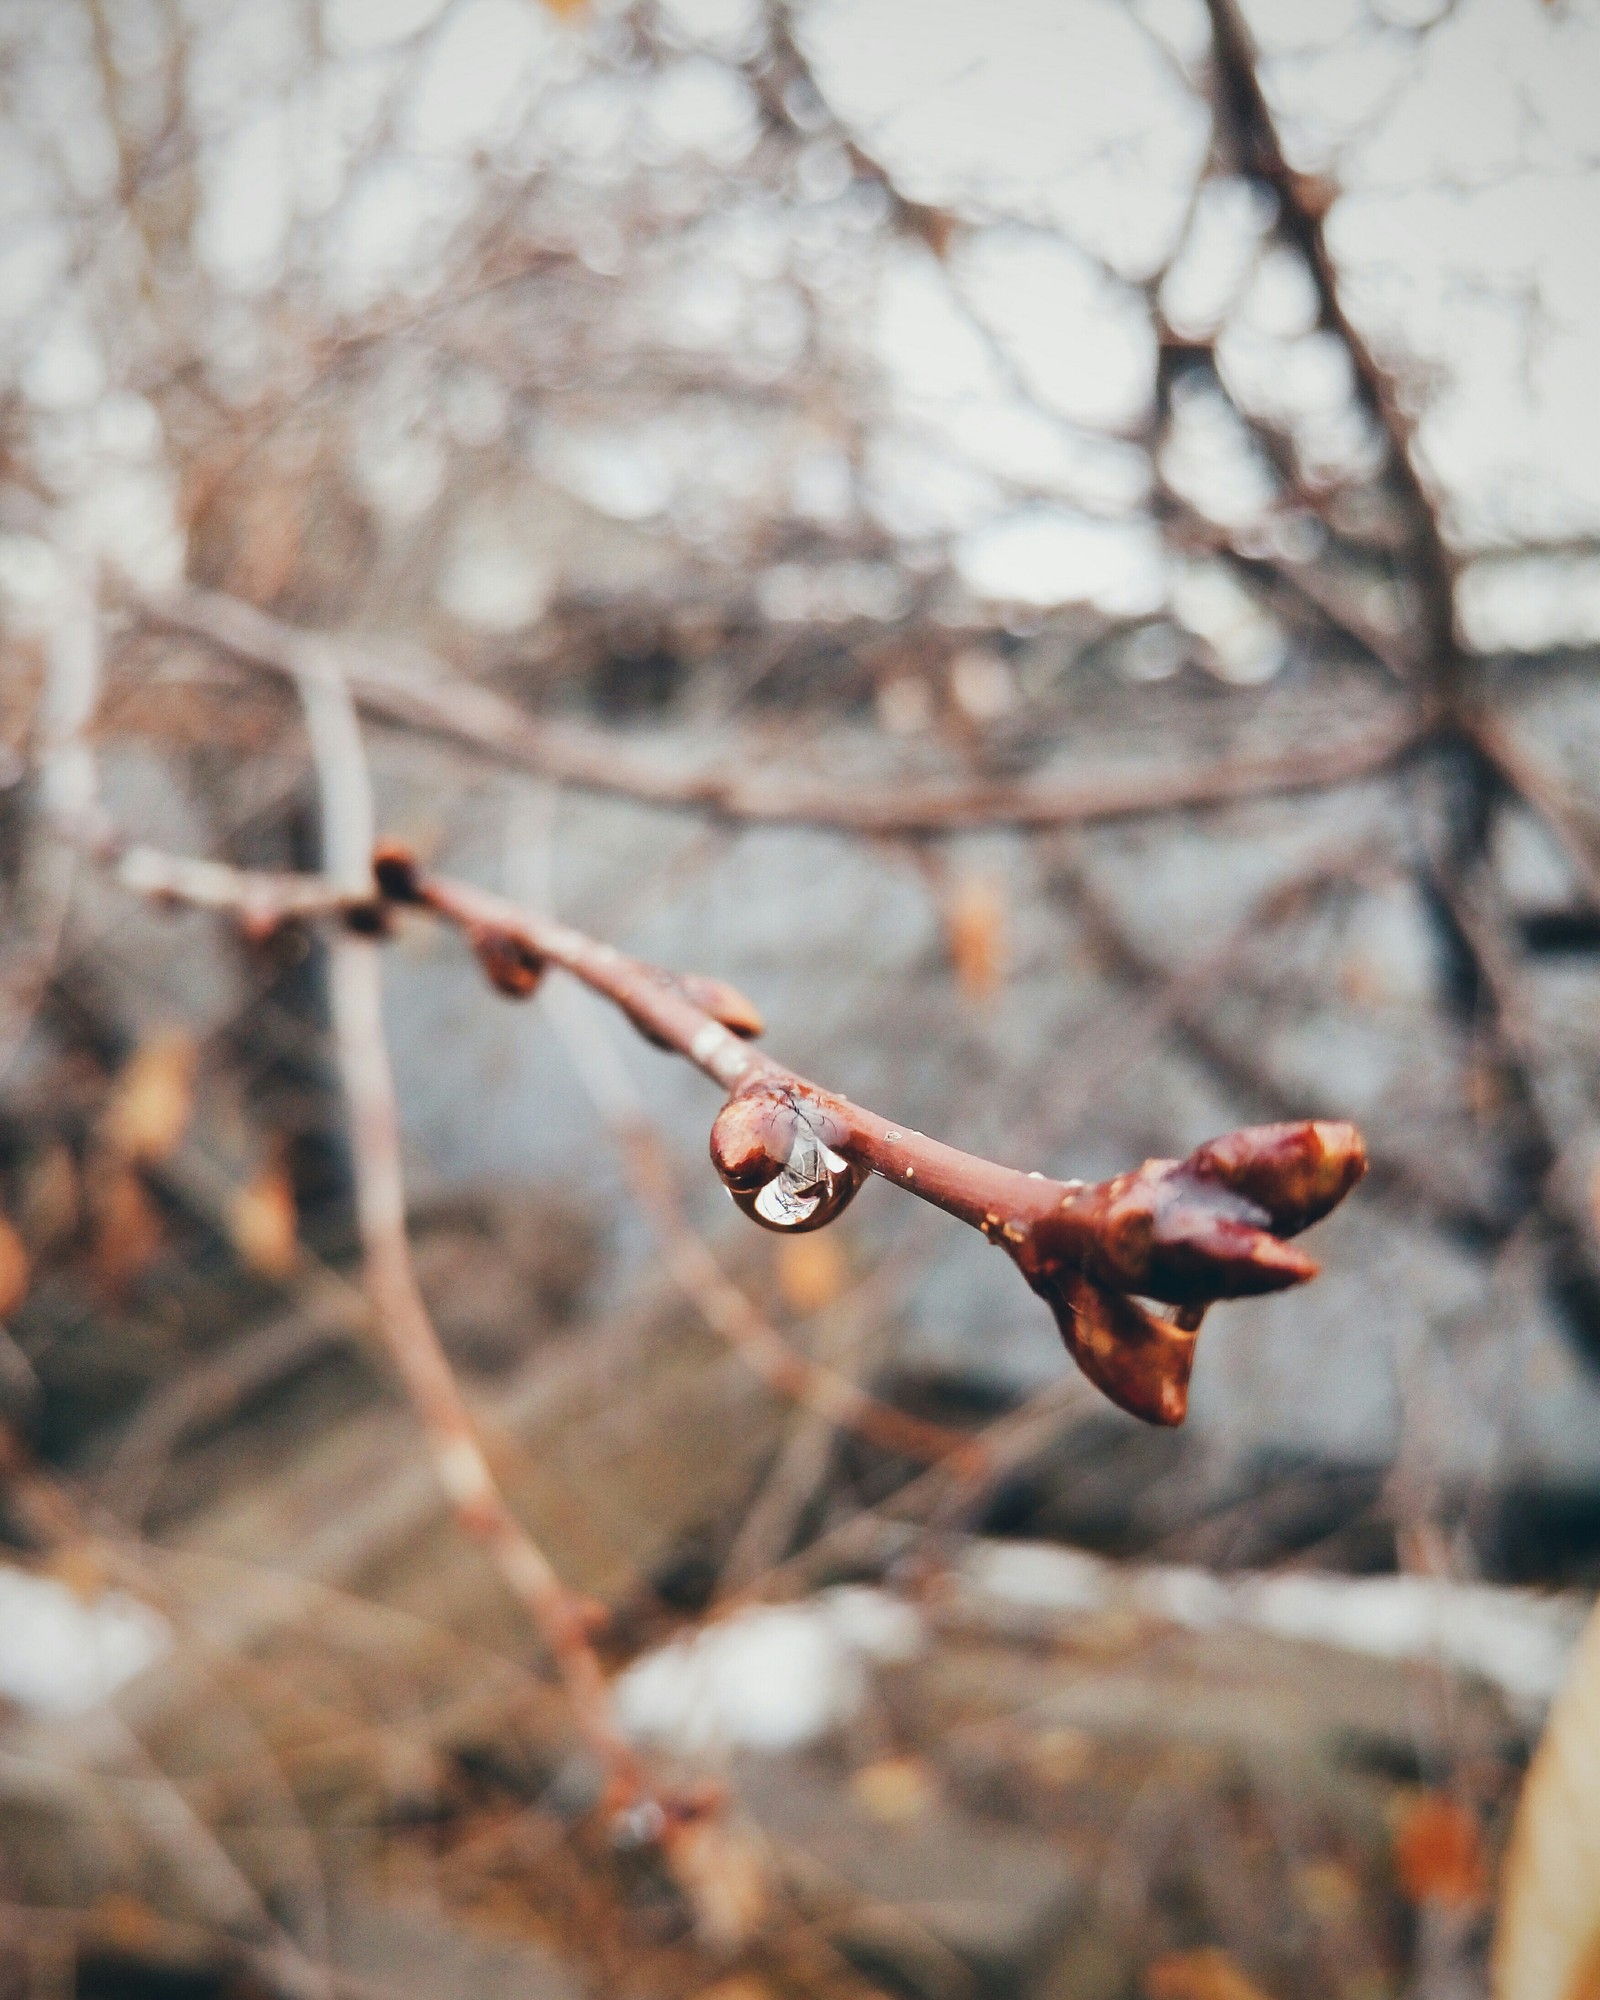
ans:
(775, 1161)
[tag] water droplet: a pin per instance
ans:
(891, 1136)
(1035, 1175)
(771, 1149)
(788, 1201)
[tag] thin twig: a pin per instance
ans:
(1303, 203)
(722, 1304)
(356, 990)
(1542, 791)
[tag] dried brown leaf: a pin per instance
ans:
(975, 933)
(127, 1231)
(1210, 1974)
(1438, 1852)
(1547, 1940)
(153, 1100)
(722, 1869)
(263, 1222)
(811, 1271)
(16, 1269)
(895, 1790)
(51, 1202)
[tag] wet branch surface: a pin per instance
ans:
(793, 1155)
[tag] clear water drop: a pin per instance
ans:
(777, 1165)
(787, 1202)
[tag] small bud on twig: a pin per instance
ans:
(512, 967)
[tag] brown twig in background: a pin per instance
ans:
(1543, 792)
(432, 698)
(1303, 204)
(1188, 1232)
(355, 980)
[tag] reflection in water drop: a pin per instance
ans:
(786, 1202)
(814, 1175)
(776, 1164)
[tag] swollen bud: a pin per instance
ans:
(724, 1003)
(1141, 1362)
(394, 869)
(1296, 1172)
(773, 1153)
(511, 964)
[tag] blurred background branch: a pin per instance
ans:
(1055, 548)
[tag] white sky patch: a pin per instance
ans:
(477, 74)
(1082, 342)
(964, 425)
(930, 347)
(1025, 108)
(490, 577)
(401, 470)
(1527, 602)
(1247, 644)
(128, 515)
(245, 52)
(248, 202)
(827, 593)
(372, 24)
(1021, 444)
(1208, 459)
(730, 27)
(33, 257)
(33, 579)
(915, 489)
(389, 231)
(701, 106)
(706, 458)
(60, 1656)
(1218, 254)
(66, 370)
(1048, 556)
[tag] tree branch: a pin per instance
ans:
(722, 1304)
(462, 1465)
(432, 698)
(1251, 131)
(1187, 1232)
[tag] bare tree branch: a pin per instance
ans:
(1188, 1232)
(1303, 202)
(459, 1458)
(442, 703)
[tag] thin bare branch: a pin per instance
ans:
(462, 1465)
(1303, 200)
(429, 696)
